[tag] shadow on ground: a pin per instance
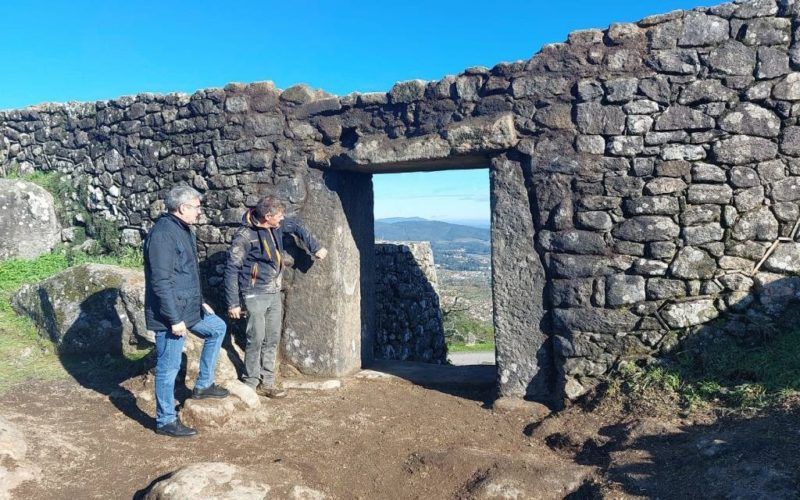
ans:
(474, 382)
(109, 372)
(735, 457)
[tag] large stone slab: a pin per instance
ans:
(477, 136)
(703, 29)
(759, 225)
(28, 226)
(329, 311)
(776, 291)
(219, 480)
(524, 363)
(91, 308)
(679, 117)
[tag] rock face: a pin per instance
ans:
(408, 317)
(14, 468)
(226, 481)
(28, 227)
(91, 308)
(632, 169)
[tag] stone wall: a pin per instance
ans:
(645, 179)
(408, 318)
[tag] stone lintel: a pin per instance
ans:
(467, 144)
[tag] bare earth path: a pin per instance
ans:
(391, 439)
(369, 439)
(471, 358)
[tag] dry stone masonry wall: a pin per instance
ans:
(408, 318)
(645, 180)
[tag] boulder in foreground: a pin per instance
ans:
(220, 480)
(91, 308)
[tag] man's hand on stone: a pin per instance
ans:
(321, 253)
(179, 329)
(235, 312)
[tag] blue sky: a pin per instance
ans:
(87, 50)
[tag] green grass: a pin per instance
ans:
(732, 374)
(458, 326)
(24, 354)
(478, 347)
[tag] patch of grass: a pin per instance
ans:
(126, 257)
(459, 327)
(24, 354)
(478, 347)
(732, 374)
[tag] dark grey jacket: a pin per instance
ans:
(254, 263)
(171, 275)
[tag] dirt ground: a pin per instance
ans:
(391, 439)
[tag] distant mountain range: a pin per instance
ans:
(418, 229)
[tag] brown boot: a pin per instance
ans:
(272, 392)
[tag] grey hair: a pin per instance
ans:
(180, 195)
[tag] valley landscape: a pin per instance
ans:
(462, 254)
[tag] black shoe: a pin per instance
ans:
(212, 391)
(176, 429)
(271, 392)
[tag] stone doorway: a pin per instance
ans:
(432, 277)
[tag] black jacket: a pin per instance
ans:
(254, 263)
(171, 275)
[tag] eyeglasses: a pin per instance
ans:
(195, 207)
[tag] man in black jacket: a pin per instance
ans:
(174, 306)
(254, 272)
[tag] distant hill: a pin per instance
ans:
(417, 229)
(393, 220)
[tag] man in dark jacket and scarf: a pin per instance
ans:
(174, 306)
(254, 272)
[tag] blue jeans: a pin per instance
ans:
(168, 363)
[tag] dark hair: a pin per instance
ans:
(268, 205)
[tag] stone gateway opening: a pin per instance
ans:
(433, 272)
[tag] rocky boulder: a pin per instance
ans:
(220, 480)
(91, 308)
(215, 413)
(29, 226)
(206, 413)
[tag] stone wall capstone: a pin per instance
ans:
(408, 318)
(645, 181)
